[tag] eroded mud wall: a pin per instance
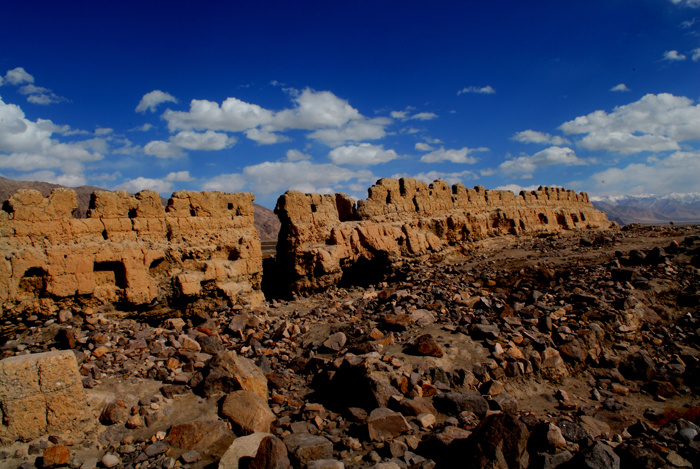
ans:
(130, 250)
(323, 236)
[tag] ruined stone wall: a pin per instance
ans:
(130, 250)
(323, 236)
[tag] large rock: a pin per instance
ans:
(229, 372)
(498, 442)
(42, 393)
(248, 412)
(243, 447)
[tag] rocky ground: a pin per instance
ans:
(576, 351)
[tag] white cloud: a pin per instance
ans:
(676, 173)
(621, 88)
(549, 156)
(353, 131)
(179, 176)
(265, 138)
(673, 56)
(150, 101)
(17, 76)
(274, 177)
(532, 136)
(421, 146)
(70, 180)
(455, 156)
(142, 128)
(654, 123)
(488, 89)
(27, 146)
(696, 54)
(690, 3)
(141, 183)
(405, 115)
(362, 154)
(516, 189)
(314, 110)
(450, 178)
(208, 140)
(226, 183)
(35, 94)
(233, 115)
(296, 155)
(161, 149)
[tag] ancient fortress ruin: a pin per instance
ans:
(130, 251)
(203, 247)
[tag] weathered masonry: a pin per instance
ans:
(324, 236)
(130, 250)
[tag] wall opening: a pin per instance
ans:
(110, 273)
(561, 220)
(583, 217)
(313, 208)
(543, 218)
(574, 217)
(34, 281)
(132, 213)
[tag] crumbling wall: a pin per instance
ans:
(129, 250)
(324, 236)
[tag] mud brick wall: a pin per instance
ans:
(130, 250)
(323, 236)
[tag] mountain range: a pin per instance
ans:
(651, 209)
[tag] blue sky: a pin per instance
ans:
(596, 96)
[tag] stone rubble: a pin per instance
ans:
(545, 351)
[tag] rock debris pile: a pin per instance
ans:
(530, 351)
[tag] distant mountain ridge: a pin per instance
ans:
(651, 209)
(266, 222)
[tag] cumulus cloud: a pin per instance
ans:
(161, 149)
(655, 123)
(675, 173)
(620, 88)
(331, 120)
(272, 177)
(353, 131)
(422, 146)
(296, 155)
(150, 101)
(550, 156)
(17, 76)
(362, 154)
(488, 89)
(208, 140)
(673, 56)
(264, 138)
(690, 3)
(26, 145)
(696, 54)
(450, 178)
(532, 136)
(178, 176)
(142, 128)
(141, 183)
(405, 115)
(35, 94)
(455, 156)
(516, 189)
(70, 180)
